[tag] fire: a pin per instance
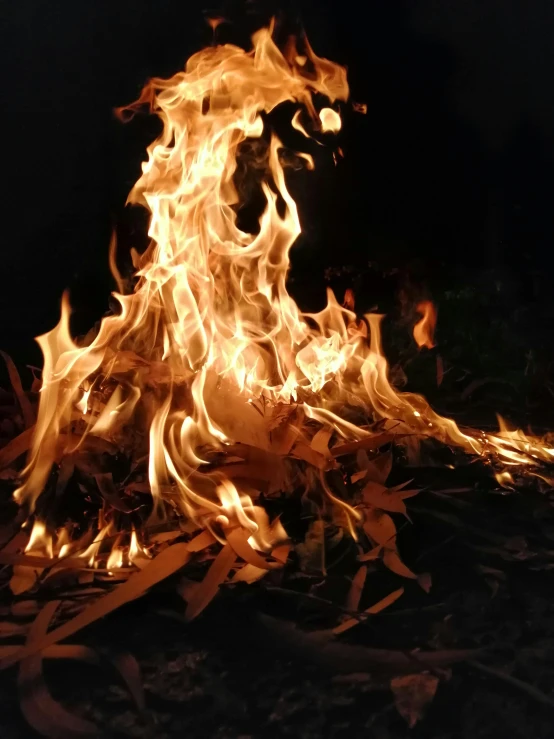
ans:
(424, 330)
(210, 330)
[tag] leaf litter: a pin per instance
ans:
(299, 450)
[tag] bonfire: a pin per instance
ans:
(171, 438)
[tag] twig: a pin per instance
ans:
(531, 691)
(359, 616)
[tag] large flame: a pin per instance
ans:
(210, 328)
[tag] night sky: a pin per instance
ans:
(449, 176)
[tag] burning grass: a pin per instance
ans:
(210, 433)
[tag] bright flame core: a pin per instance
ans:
(210, 327)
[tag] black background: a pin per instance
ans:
(448, 178)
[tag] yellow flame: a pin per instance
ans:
(40, 540)
(210, 327)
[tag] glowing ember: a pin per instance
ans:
(210, 350)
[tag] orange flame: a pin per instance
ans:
(424, 330)
(210, 327)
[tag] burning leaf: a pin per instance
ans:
(165, 564)
(209, 586)
(40, 710)
(395, 564)
(238, 540)
(412, 695)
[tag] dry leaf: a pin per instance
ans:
(129, 669)
(125, 664)
(16, 447)
(65, 472)
(320, 441)
(23, 579)
(301, 450)
(378, 496)
(24, 402)
(412, 695)
(41, 711)
(24, 608)
(164, 537)
(372, 610)
(337, 657)
(367, 442)
(395, 564)
(424, 580)
(281, 552)
(209, 586)
(356, 589)
(165, 564)
(203, 540)
(7, 628)
(261, 465)
(110, 493)
(248, 574)
(372, 555)
(378, 469)
(285, 435)
(311, 552)
(280, 413)
(380, 527)
(440, 370)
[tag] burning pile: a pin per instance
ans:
(220, 394)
